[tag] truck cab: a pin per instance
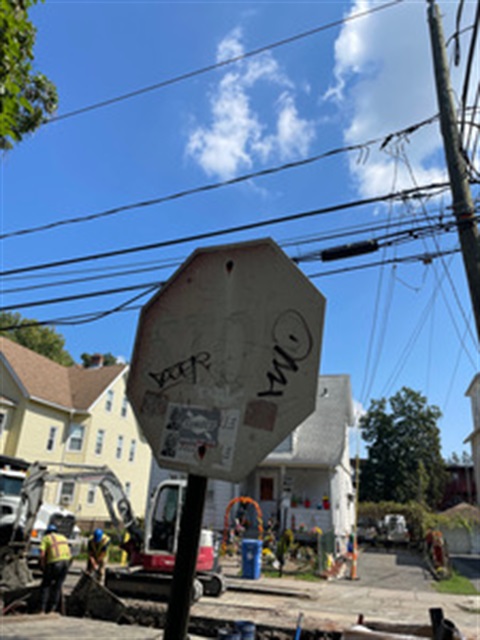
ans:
(11, 484)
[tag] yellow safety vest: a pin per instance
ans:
(55, 547)
(98, 548)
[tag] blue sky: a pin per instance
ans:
(406, 324)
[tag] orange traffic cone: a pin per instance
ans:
(353, 566)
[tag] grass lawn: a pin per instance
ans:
(457, 584)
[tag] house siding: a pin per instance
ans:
(31, 418)
(473, 392)
(33, 434)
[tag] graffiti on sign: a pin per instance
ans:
(292, 344)
(184, 371)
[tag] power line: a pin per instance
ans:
(80, 296)
(197, 72)
(150, 286)
(426, 258)
(399, 195)
(217, 185)
(468, 70)
(118, 271)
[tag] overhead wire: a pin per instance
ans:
(79, 296)
(370, 368)
(468, 68)
(442, 261)
(390, 239)
(222, 63)
(400, 195)
(423, 257)
(214, 185)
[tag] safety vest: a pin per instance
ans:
(55, 547)
(98, 548)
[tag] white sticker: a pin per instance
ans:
(194, 433)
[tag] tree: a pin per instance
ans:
(466, 459)
(404, 455)
(40, 339)
(26, 97)
(88, 359)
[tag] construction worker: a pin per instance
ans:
(98, 545)
(55, 558)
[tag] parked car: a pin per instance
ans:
(394, 529)
(367, 530)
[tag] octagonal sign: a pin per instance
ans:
(226, 359)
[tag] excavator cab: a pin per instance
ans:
(165, 519)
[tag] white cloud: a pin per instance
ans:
(237, 136)
(383, 83)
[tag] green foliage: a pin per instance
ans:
(404, 453)
(26, 97)
(465, 460)
(456, 584)
(42, 340)
(418, 517)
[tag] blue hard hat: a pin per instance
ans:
(98, 535)
(51, 528)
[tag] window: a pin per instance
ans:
(286, 446)
(3, 420)
(91, 494)
(124, 409)
(131, 453)
(67, 489)
(52, 434)
(128, 488)
(266, 488)
(99, 442)
(109, 400)
(75, 440)
(119, 447)
(11, 485)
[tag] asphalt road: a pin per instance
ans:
(393, 569)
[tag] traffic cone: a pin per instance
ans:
(353, 566)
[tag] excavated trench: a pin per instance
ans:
(92, 600)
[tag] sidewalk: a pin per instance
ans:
(327, 606)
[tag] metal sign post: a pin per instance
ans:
(225, 366)
(176, 625)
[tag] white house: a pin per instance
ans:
(473, 392)
(306, 481)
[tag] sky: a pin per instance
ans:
(332, 81)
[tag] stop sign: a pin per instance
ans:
(226, 359)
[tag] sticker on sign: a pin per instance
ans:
(226, 359)
(191, 432)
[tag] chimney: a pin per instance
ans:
(96, 361)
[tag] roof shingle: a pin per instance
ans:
(69, 387)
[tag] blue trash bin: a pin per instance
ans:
(251, 559)
(246, 628)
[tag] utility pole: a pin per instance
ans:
(463, 206)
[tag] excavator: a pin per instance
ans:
(151, 551)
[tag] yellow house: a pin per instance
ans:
(72, 415)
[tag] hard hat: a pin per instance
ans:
(51, 528)
(97, 535)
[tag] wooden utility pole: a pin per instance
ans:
(463, 206)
